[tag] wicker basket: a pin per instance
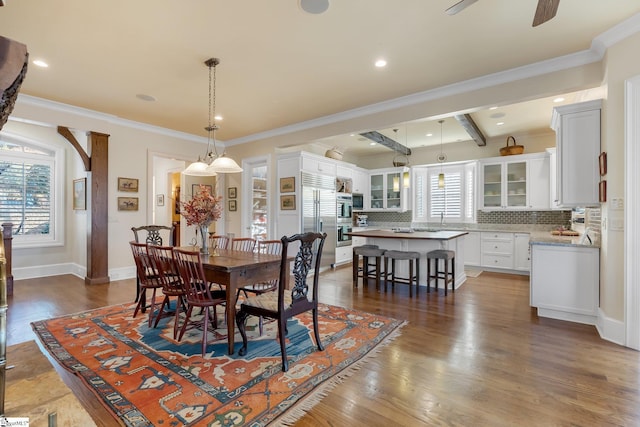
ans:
(333, 153)
(510, 150)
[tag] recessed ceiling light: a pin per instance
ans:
(353, 134)
(218, 117)
(144, 97)
(429, 134)
(40, 63)
(559, 99)
(372, 143)
(499, 123)
(381, 63)
(497, 115)
(493, 108)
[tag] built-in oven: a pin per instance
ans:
(345, 208)
(343, 238)
(357, 199)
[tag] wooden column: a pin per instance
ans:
(97, 238)
(7, 237)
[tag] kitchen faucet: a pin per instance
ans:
(441, 219)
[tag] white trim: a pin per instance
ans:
(632, 213)
(610, 329)
(246, 200)
(77, 270)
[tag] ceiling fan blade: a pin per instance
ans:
(545, 11)
(458, 7)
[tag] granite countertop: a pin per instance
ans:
(407, 233)
(546, 238)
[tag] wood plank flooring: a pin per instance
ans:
(478, 357)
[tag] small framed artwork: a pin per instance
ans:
(232, 192)
(602, 161)
(602, 191)
(160, 199)
(233, 206)
(288, 202)
(288, 185)
(127, 203)
(195, 189)
(80, 194)
(128, 184)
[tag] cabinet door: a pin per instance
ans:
(393, 190)
(522, 252)
(492, 185)
(472, 248)
(538, 183)
(516, 185)
(377, 191)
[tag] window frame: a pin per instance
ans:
(57, 163)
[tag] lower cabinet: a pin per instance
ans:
(522, 252)
(565, 282)
(344, 254)
(496, 250)
(472, 248)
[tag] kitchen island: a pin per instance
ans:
(422, 242)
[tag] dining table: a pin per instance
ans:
(235, 269)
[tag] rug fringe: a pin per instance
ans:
(300, 409)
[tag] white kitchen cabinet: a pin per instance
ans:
(577, 129)
(472, 248)
(318, 165)
(360, 182)
(522, 252)
(565, 282)
(344, 254)
(496, 249)
(514, 182)
(553, 187)
(389, 190)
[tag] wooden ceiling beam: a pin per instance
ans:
(387, 142)
(472, 129)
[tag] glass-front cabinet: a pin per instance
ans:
(259, 224)
(389, 189)
(504, 185)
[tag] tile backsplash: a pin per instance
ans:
(555, 218)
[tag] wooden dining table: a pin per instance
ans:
(234, 269)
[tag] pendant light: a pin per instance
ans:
(215, 164)
(441, 159)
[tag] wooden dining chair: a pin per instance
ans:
(149, 277)
(271, 247)
(218, 242)
(244, 244)
(198, 293)
(286, 303)
(172, 286)
(152, 235)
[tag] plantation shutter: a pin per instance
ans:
(447, 200)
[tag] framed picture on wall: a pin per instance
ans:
(288, 202)
(288, 185)
(80, 194)
(127, 203)
(233, 206)
(128, 184)
(160, 199)
(232, 192)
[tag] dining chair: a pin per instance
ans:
(219, 242)
(271, 247)
(149, 277)
(172, 286)
(244, 244)
(286, 303)
(152, 235)
(198, 293)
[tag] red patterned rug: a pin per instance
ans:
(145, 378)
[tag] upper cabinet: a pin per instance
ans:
(577, 129)
(389, 189)
(514, 182)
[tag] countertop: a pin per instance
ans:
(420, 235)
(546, 238)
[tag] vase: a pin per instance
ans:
(204, 235)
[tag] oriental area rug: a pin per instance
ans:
(146, 378)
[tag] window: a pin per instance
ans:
(454, 203)
(28, 190)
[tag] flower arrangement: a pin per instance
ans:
(202, 209)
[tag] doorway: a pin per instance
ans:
(257, 218)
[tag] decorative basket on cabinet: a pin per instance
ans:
(510, 150)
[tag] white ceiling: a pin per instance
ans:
(281, 66)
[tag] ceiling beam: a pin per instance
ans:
(472, 129)
(387, 142)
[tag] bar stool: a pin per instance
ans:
(367, 253)
(413, 258)
(355, 265)
(446, 256)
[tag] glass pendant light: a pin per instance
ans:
(441, 159)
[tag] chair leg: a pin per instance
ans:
(282, 326)
(446, 276)
(241, 321)
(453, 274)
(410, 278)
(205, 330)
(354, 271)
(176, 318)
(428, 275)
(153, 306)
(166, 301)
(316, 329)
(186, 321)
(417, 276)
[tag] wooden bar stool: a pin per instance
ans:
(367, 253)
(355, 265)
(414, 260)
(446, 256)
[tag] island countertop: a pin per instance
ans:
(417, 235)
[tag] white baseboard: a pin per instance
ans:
(69, 268)
(611, 329)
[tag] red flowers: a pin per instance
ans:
(203, 208)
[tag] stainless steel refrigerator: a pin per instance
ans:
(319, 212)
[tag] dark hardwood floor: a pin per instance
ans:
(478, 357)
